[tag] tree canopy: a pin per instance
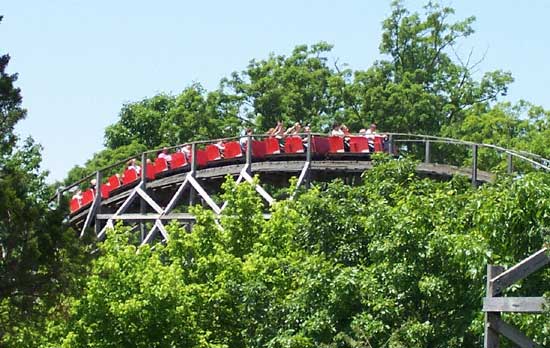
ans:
(10, 106)
(423, 84)
(38, 253)
(393, 261)
(397, 261)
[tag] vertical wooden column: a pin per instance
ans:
(474, 165)
(307, 178)
(58, 196)
(142, 206)
(97, 202)
(192, 171)
(427, 152)
(509, 163)
(248, 155)
(491, 339)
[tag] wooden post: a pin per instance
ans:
(143, 169)
(92, 211)
(249, 154)
(142, 206)
(498, 280)
(491, 339)
(58, 196)
(307, 178)
(510, 164)
(474, 165)
(427, 152)
(192, 172)
(309, 146)
(390, 144)
(97, 203)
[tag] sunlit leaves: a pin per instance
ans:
(397, 261)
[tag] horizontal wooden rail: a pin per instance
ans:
(514, 304)
(152, 216)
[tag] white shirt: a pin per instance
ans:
(337, 133)
(136, 168)
(166, 156)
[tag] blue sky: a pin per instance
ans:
(80, 61)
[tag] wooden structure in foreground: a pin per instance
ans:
(494, 304)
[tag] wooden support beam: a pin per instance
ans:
(162, 229)
(192, 172)
(143, 185)
(258, 188)
(176, 196)
(390, 145)
(514, 304)
(303, 174)
(147, 217)
(513, 334)
(427, 153)
(521, 270)
(474, 165)
(497, 281)
(491, 339)
(132, 217)
(149, 200)
(249, 154)
(120, 210)
(150, 235)
(95, 205)
(203, 194)
(307, 177)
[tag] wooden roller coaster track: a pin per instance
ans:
(150, 200)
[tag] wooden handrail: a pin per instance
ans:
(534, 159)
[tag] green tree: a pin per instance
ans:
(132, 299)
(421, 88)
(105, 158)
(397, 261)
(165, 119)
(521, 126)
(38, 253)
(300, 87)
(10, 106)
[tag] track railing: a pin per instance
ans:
(397, 144)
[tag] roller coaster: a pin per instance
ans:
(163, 190)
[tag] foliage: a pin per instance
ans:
(131, 300)
(522, 126)
(393, 262)
(421, 88)
(105, 158)
(299, 88)
(10, 106)
(164, 119)
(38, 253)
(397, 261)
